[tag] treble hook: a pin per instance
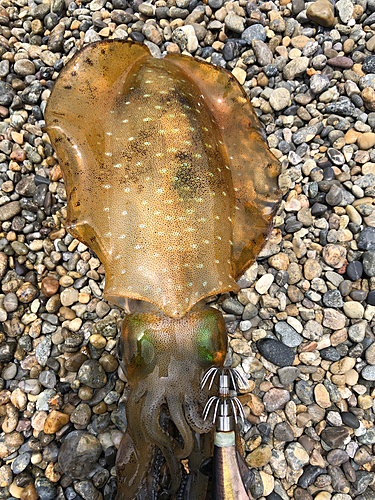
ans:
(226, 458)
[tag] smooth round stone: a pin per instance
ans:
(321, 12)
(264, 283)
(371, 298)
(21, 462)
(288, 335)
(370, 354)
(334, 196)
(275, 399)
(92, 374)
(353, 310)
(337, 457)
(350, 420)
(354, 270)
(232, 306)
(81, 414)
(288, 374)
(357, 331)
(280, 99)
(366, 239)
(276, 352)
(283, 432)
(318, 209)
(10, 303)
(368, 372)
(45, 488)
(49, 286)
(27, 293)
(334, 255)
(79, 453)
(369, 263)
(69, 297)
(48, 379)
(345, 287)
(10, 371)
(330, 354)
(305, 392)
(259, 457)
(358, 295)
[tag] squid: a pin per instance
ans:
(170, 182)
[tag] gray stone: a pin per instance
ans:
(79, 453)
(287, 334)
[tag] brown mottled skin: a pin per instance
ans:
(170, 182)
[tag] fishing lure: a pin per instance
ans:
(170, 182)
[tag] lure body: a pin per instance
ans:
(170, 182)
(227, 482)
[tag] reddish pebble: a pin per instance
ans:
(55, 421)
(50, 286)
(340, 62)
(18, 155)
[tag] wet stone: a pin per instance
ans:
(91, 373)
(21, 462)
(45, 488)
(48, 379)
(79, 453)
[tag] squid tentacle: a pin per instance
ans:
(179, 419)
(193, 416)
(152, 429)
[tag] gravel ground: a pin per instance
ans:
(301, 328)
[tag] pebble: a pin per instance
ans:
(276, 352)
(79, 453)
(296, 456)
(92, 374)
(288, 335)
(335, 437)
(264, 283)
(321, 12)
(275, 399)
